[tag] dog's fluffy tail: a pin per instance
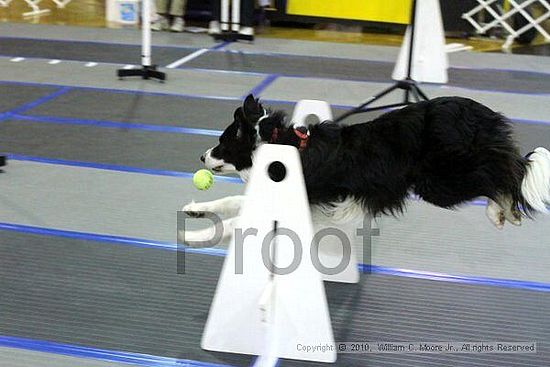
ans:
(535, 187)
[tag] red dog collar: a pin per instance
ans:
(303, 136)
(274, 135)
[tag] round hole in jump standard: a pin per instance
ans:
(276, 171)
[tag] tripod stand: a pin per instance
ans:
(408, 85)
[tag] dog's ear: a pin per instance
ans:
(242, 122)
(238, 115)
(252, 108)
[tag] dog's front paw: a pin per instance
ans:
(195, 210)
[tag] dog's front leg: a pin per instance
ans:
(228, 206)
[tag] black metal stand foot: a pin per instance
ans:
(229, 36)
(408, 85)
(146, 72)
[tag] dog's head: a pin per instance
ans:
(239, 140)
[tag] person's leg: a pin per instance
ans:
(216, 9)
(247, 17)
(214, 26)
(161, 23)
(177, 10)
(262, 16)
(163, 6)
(247, 13)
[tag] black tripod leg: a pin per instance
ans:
(419, 91)
(415, 94)
(155, 74)
(408, 84)
(407, 93)
(360, 108)
(122, 73)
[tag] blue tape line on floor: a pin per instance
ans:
(257, 90)
(364, 268)
(138, 242)
(216, 98)
(113, 167)
(30, 105)
(145, 360)
(506, 283)
(119, 125)
(220, 46)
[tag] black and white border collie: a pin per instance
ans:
(447, 151)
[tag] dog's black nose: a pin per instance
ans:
(202, 158)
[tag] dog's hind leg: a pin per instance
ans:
(495, 213)
(511, 213)
(499, 212)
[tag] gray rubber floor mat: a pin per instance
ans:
(532, 136)
(200, 113)
(12, 96)
(107, 296)
(76, 74)
(24, 358)
(346, 69)
(135, 148)
(87, 51)
(129, 298)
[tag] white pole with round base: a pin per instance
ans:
(147, 71)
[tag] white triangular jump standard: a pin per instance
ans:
(330, 253)
(306, 107)
(429, 58)
(255, 309)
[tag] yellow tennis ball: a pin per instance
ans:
(203, 179)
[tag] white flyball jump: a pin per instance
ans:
(307, 107)
(429, 61)
(330, 252)
(256, 309)
(270, 297)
